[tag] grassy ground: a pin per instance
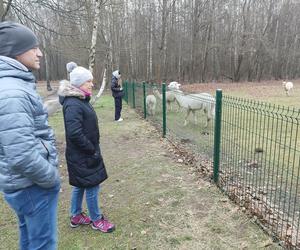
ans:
(155, 202)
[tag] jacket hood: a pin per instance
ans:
(66, 89)
(116, 74)
(10, 67)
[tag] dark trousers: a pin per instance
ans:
(118, 107)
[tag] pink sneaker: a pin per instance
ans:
(80, 219)
(103, 225)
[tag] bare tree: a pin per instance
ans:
(187, 40)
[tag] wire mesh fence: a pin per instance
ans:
(258, 161)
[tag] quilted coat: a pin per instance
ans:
(84, 160)
(28, 154)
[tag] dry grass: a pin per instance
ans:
(265, 91)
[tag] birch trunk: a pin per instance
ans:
(92, 54)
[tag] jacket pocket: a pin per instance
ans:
(44, 150)
(94, 160)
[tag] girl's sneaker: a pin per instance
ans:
(80, 219)
(103, 225)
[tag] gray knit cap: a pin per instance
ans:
(16, 39)
(79, 76)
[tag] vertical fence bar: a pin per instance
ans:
(217, 134)
(164, 109)
(133, 94)
(144, 98)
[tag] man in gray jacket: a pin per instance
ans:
(29, 177)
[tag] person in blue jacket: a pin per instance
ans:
(117, 93)
(84, 160)
(29, 177)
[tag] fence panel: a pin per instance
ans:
(139, 97)
(259, 166)
(259, 151)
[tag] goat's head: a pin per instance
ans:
(155, 90)
(174, 85)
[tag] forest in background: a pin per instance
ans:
(163, 40)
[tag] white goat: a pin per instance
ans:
(151, 104)
(194, 102)
(170, 97)
(288, 86)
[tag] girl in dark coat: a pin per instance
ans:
(85, 164)
(117, 93)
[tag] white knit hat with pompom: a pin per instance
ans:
(79, 76)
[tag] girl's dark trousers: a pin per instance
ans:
(118, 107)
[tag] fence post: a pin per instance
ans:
(164, 109)
(144, 95)
(217, 134)
(133, 94)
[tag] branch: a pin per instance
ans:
(21, 11)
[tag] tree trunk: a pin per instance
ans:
(290, 66)
(92, 54)
(205, 53)
(275, 54)
(4, 9)
(2, 18)
(46, 56)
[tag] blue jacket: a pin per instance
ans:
(85, 163)
(28, 154)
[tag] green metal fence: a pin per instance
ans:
(253, 147)
(259, 163)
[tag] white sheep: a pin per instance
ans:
(151, 104)
(194, 102)
(288, 86)
(170, 97)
